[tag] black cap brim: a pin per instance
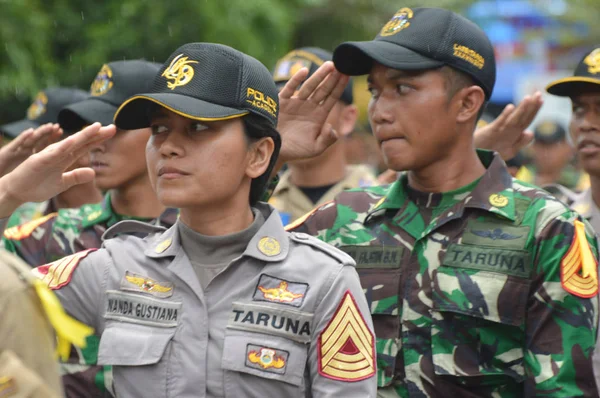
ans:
(134, 113)
(75, 116)
(15, 128)
(356, 58)
(572, 85)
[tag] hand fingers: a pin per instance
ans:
(531, 111)
(502, 119)
(526, 111)
(20, 141)
(78, 176)
(292, 85)
(327, 137)
(313, 82)
(324, 90)
(336, 93)
(71, 148)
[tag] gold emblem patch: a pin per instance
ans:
(135, 282)
(280, 293)
(346, 346)
(578, 267)
(38, 107)
(269, 246)
(58, 274)
(498, 200)
(23, 231)
(103, 81)
(593, 61)
(398, 22)
(164, 245)
(179, 71)
(266, 359)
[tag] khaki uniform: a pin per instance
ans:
(292, 203)
(27, 364)
(287, 318)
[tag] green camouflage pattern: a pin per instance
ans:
(30, 211)
(63, 233)
(474, 305)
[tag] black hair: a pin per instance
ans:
(257, 127)
(456, 80)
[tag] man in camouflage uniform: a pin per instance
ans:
(479, 285)
(120, 166)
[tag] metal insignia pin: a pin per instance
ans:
(269, 246)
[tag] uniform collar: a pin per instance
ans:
(584, 203)
(101, 215)
(495, 186)
(270, 244)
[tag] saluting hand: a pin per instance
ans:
(303, 112)
(42, 175)
(507, 134)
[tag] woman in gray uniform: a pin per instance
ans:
(225, 303)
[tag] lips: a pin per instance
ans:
(98, 165)
(588, 145)
(169, 172)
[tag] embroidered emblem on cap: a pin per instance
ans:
(346, 349)
(265, 358)
(38, 107)
(139, 283)
(398, 22)
(7, 386)
(179, 71)
(269, 246)
(164, 245)
(546, 128)
(259, 100)
(103, 82)
(498, 200)
(471, 56)
(593, 61)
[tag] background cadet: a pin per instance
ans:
(456, 242)
(314, 181)
(39, 128)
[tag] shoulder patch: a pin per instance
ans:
(59, 273)
(302, 219)
(335, 253)
(578, 267)
(23, 231)
(131, 227)
(346, 347)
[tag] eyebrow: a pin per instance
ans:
(395, 74)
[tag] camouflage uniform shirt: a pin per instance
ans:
(468, 289)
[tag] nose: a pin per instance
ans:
(171, 145)
(380, 110)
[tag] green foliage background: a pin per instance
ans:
(65, 42)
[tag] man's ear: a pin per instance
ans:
(471, 99)
(260, 153)
(348, 118)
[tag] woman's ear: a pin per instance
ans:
(259, 156)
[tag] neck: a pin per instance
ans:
(545, 178)
(225, 218)
(136, 200)
(78, 196)
(452, 172)
(595, 187)
(326, 169)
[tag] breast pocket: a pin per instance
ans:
(262, 366)
(478, 320)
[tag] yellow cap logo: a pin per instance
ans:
(103, 82)
(179, 71)
(498, 200)
(38, 107)
(398, 22)
(593, 61)
(269, 246)
(546, 128)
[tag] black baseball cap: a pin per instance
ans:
(210, 82)
(310, 58)
(206, 82)
(549, 132)
(115, 82)
(587, 73)
(420, 39)
(44, 109)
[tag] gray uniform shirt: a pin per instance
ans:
(286, 319)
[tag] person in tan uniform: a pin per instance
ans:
(314, 181)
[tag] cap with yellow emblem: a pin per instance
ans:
(420, 39)
(45, 109)
(587, 73)
(114, 83)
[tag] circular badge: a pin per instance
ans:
(269, 246)
(498, 200)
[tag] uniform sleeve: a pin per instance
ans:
(342, 354)
(79, 283)
(30, 240)
(318, 222)
(563, 311)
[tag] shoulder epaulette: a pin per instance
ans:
(131, 227)
(306, 239)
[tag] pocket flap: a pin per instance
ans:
(265, 356)
(133, 345)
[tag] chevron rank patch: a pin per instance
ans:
(23, 231)
(59, 273)
(578, 267)
(346, 347)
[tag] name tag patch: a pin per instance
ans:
(134, 308)
(294, 325)
(375, 256)
(510, 262)
(280, 291)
